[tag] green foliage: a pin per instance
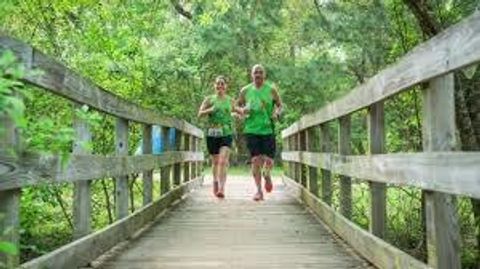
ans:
(46, 136)
(11, 89)
(8, 248)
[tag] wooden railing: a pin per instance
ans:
(438, 170)
(21, 169)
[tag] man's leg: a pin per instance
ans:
(222, 169)
(215, 173)
(257, 163)
(267, 169)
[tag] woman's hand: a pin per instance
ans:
(206, 108)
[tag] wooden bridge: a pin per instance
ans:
(296, 227)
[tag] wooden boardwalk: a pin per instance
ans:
(204, 232)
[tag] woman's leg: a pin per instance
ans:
(223, 161)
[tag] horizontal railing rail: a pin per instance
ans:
(439, 171)
(180, 164)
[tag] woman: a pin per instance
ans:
(219, 107)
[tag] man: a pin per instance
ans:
(261, 105)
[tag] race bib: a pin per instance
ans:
(215, 132)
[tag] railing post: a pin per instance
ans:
(325, 147)
(376, 135)
(443, 236)
(186, 165)
(197, 164)
(303, 148)
(177, 167)
(165, 170)
(147, 174)
(82, 207)
(121, 188)
(298, 166)
(286, 164)
(345, 181)
(291, 165)
(9, 199)
(312, 145)
(194, 163)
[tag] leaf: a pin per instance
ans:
(470, 71)
(8, 248)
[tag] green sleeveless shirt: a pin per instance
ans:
(221, 117)
(258, 121)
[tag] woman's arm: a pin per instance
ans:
(236, 109)
(206, 108)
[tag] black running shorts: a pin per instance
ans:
(261, 145)
(215, 143)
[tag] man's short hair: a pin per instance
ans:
(258, 66)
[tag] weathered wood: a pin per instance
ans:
(147, 174)
(298, 165)
(121, 181)
(177, 167)
(186, 164)
(303, 168)
(81, 252)
(344, 135)
(449, 172)
(291, 165)
(433, 58)
(189, 237)
(165, 172)
(41, 169)
(312, 145)
(194, 166)
(378, 202)
(60, 80)
(82, 208)
(200, 165)
(192, 148)
(443, 232)
(372, 248)
(10, 224)
(325, 146)
(9, 199)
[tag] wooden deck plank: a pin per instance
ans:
(204, 232)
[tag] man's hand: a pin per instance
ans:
(276, 113)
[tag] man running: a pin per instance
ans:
(261, 105)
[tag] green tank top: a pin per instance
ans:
(221, 118)
(258, 121)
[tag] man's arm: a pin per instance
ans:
(240, 105)
(277, 100)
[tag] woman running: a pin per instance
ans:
(219, 107)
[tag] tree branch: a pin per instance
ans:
(181, 10)
(422, 13)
